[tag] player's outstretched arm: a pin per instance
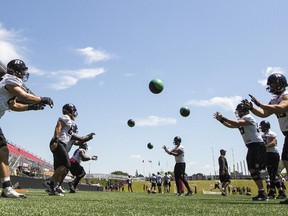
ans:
(27, 97)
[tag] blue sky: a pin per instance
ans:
(101, 56)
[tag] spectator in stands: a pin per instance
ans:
(17, 97)
(76, 169)
(63, 134)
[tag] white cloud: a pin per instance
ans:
(66, 79)
(10, 49)
(268, 72)
(227, 103)
(9, 41)
(91, 55)
(64, 82)
(135, 157)
(154, 121)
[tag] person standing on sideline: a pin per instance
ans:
(256, 154)
(16, 97)
(278, 105)
(159, 182)
(273, 159)
(76, 169)
(180, 165)
(63, 133)
(223, 172)
(166, 182)
(129, 182)
(169, 183)
(153, 181)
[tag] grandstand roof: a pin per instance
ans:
(21, 152)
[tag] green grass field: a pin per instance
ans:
(137, 203)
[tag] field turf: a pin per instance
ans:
(138, 203)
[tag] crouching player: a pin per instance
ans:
(76, 169)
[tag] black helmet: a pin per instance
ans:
(279, 83)
(264, 125)
(177, 140)
(18, 68)
(84, 146)
(69, 109)
(241, 110)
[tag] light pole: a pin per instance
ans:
(233, 164)
(214, 163)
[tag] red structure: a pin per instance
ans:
(22, 158)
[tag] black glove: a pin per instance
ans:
(48, 101)
(247, 104)
(39, 106)
(94, 157)
(88, 137)
(91, 135)
(254, 100)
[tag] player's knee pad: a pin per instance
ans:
(255, 174)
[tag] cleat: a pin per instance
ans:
(189, 194)
(260, 197)
(271, 195)
(55, 193)
(72, 189)
(9, 192)
(47, 185)
(284, 202)
(59, 189)
(281, 196)
(223, 192)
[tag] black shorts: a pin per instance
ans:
(76, 169)
(225, 178)
(256, 156)
(60, 156)
(284, 155)
(273, 160)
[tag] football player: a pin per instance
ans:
(273, 159)
(256, 154)
(13, 96)
(63, 134)
(180, 165)
(278, 105)
(76, 169)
